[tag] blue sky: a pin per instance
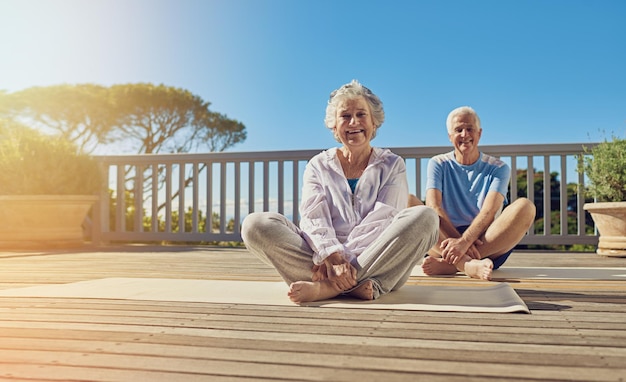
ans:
(537, 71)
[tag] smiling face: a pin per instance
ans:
(355, 125)
(465, 136)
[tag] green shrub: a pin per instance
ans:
(33, 163)
(605, 166)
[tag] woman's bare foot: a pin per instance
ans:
(436, 266)
(308, 291)
(365, 291)
(479, 269)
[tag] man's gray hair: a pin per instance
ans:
(461, 111)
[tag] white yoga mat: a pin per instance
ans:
(499, 297)
(562, 273)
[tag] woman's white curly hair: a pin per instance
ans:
(354, 90)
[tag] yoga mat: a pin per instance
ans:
(499, 297)
(562, 273)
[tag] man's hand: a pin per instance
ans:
(473, 252)
(453, 249)
(335, 269)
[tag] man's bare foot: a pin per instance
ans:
(436, 266)
(479, 269)
(308, 291)
(365, 291)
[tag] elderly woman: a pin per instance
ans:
(355, 237)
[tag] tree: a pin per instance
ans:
(80, 114)
(538, 191)
(163, 119)
(141, 118)
(555, 206)
(224, 133)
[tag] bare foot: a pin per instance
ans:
(365, 291)
(436, 266)
(307, 291)
(479, 269)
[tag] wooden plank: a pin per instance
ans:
(576, 330)
(217, 348)
(451, 327)
(306, 367)
(314, 335)
(42, 373)
(225, 313)
(49, 373)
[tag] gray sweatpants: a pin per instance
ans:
(387, 262)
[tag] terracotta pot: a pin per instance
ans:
(43, 221)
(610, 219)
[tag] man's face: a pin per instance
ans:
(465, 134)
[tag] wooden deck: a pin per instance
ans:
(577, 329)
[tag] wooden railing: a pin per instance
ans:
(148, 193)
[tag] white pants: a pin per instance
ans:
(388, 262)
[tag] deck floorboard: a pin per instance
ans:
(576, 330)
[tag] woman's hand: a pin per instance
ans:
(335, 269)
(319, 272)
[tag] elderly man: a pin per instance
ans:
(468, 190)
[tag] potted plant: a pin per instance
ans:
(605, 167)
(46, 189)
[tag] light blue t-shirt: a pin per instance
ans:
(464, 188)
